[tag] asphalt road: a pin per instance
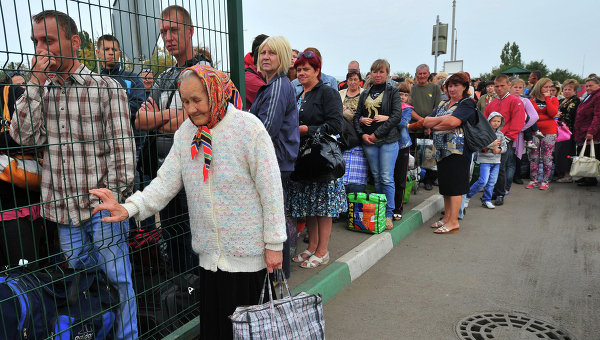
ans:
(538, 257)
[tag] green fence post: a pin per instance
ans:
(235, 27)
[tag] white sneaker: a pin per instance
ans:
(466, 200)
(539, 135)
(488, 205)
(530, 145)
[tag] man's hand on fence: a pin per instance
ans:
(273, 259)
(110, 204)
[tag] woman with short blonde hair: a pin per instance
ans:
(281, 48)
(378, 114)
(275, 106)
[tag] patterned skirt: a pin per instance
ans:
(326, 199)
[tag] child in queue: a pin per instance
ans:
(489, 160)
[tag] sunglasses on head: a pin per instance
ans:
(307, 54)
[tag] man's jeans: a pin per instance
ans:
(488, 175)
(382, 159)
(105, 246)
(507, 170)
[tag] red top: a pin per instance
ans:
(547, 111)
(513, 111)
(253, 80)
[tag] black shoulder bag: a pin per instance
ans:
(319, 160)
(480, 134)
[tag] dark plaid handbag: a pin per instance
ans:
(291, 317)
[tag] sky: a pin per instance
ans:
(561, 34)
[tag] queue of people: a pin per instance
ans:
(221, 177)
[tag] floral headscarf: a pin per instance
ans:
(221, 91)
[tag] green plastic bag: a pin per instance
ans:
(366, 212)
(410, 183)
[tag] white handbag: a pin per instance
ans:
(585, 166)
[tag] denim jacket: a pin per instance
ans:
(405, 141)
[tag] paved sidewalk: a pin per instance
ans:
(353, 253)
(537, 257)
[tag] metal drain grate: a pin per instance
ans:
(508, 326)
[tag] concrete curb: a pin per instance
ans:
(353, 264)
(339, 274)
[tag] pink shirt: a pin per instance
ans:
(9, 215)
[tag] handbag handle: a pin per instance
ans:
(280, 277)
(592, 149)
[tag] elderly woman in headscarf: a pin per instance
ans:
(225, 160)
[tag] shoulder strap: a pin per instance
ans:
(5, 110)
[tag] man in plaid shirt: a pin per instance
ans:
(82, 120)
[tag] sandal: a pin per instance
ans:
(314, 261)
(397, 217)
(299, 258)
(444, 230)
(389, 224)
(438, 224)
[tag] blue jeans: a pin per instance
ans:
(104, 245)
(382, 159)
(488, 175)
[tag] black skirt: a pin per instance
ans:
(563, 151)
(221, 293)
(453, 175)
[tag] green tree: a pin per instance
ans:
(561, 75)
(402, 75)
(87, 53)
(515, 55)
(159, 62)
(511, 55)
(539, 66)
(12, 66)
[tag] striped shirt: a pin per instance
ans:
(87, 140)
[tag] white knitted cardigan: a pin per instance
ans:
(238, 211)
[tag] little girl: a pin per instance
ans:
(401, 167)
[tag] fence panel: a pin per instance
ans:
(89, 100)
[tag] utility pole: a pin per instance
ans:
(452, 43)
(455, 45)
(437, 39)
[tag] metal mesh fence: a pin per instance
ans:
(89, 100)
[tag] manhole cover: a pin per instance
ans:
(508, 326)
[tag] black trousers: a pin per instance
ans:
(507, 171)
(400, 170)
(21, 239)
(220, 294)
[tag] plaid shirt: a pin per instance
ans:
(356, 166)
(87, 137)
